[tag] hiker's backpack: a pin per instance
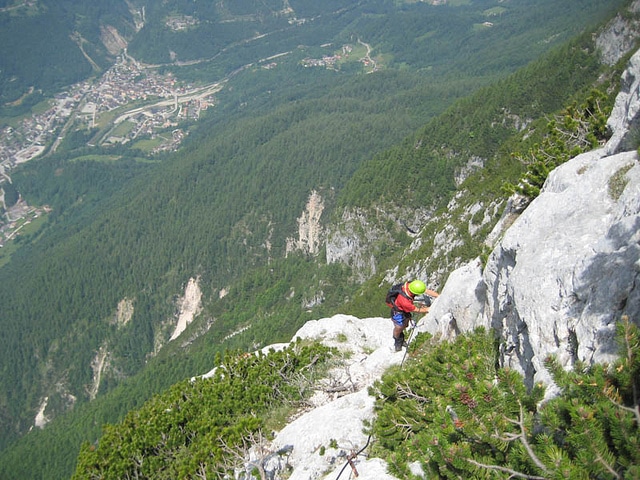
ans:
(393, 293)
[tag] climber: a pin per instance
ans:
(401, 298)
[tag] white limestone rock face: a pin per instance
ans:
(460, 306)
(316, 443)
(310, 230)
(619, 36)
(351, 242)
(624, 120)
(333, 427)
(569, 267)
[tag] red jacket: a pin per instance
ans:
(403, 303)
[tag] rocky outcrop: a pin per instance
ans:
(189, 307)
(124, 312)
(624, 120)
(319, 441)
(98, 364)
(619, 37)
(310, 232)
(362, 235)
(567, 268)
(351, 243)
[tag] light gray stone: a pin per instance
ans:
(566, 270)
(624, 120)
(460, 306)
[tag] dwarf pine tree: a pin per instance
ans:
(454, 414)
(593, 425)
(197, 428)
(577, 129)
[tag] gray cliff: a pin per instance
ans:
(562, 275)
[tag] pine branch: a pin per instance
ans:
(606, 465)
(628, 337)
(406, 428)
(404, 391)
(635, 411)
(522, 436)
(631, 351)
(511, 472)
(201, 472)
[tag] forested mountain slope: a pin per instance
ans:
(46, 45)
(223, 212)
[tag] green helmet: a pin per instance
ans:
(417, 287)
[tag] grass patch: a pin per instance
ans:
(7, 251)
(618, 182)
(278, 418)
(97, 158)
(28, 228)
(494, 12)
(150, 144)
(122, 129)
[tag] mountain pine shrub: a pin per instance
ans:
(454, 414)
(199, 427)
(578, 129)
(594, 424)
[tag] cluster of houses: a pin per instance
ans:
(122, 84)
(328, 61)
(126, 82)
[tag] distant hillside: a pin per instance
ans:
(46, 46)
(98, 291)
